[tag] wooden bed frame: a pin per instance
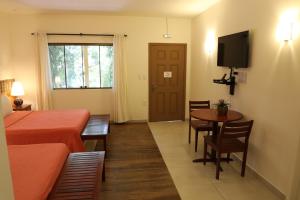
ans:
(5, 88)
(80, 177)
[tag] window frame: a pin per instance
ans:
(79, 44)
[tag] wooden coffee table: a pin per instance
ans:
(97, 128)
(211, 115)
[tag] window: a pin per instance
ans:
(81, 65)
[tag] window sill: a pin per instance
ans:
(90, 88)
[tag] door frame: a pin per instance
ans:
(184, 77)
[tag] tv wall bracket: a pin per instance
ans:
(230, 81)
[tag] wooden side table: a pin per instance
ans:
(97, 128)
(23, 107)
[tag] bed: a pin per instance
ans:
(59, 126)
(49, 171)
(27, 127)
(35, 169)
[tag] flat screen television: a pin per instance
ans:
(233, 50)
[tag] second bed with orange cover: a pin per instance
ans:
(35, 169)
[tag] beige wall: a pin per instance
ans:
(271, 93)
(140, 30)
(5, 49)
(23, 51)
(295, 189)
(99, 101)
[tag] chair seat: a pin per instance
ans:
(201, 125)
(228, 145)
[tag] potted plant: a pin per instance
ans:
(222, 107)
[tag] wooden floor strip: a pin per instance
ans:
(135, 169)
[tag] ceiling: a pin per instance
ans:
(175, 8)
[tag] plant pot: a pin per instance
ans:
(222, 110)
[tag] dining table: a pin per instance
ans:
(211, 115)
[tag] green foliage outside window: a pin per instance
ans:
(81, 66)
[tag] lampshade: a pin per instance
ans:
(17, 89)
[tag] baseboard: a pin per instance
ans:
(269, 185)
(130, 122)
(136, 121)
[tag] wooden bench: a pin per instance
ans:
(97, 128)
(80, 177)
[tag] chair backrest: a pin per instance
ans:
(235, 130)
(196, 105)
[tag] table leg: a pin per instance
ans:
(105, 146)
(103, 171)
(215, 137)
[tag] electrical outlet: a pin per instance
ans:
(242, 77)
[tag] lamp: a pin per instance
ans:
(210, 43)
(288, 27)
(17, 90)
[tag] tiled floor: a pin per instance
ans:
(196, 181)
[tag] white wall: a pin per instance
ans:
(271, 94)
(140, 30)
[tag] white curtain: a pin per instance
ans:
(120, 81)
(44, 82)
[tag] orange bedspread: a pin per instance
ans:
(60, 126)
(35, 168)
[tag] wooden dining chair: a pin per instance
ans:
(198, 125)
(234, 137)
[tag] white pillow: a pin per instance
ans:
(6, 107)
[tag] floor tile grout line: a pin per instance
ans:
(220, 192)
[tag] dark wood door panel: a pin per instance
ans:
(167, 69)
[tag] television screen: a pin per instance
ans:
(233, 50)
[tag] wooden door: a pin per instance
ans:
(167, 69)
